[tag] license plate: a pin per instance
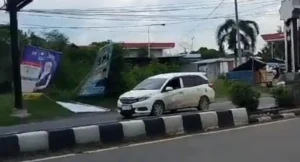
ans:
(126, 107)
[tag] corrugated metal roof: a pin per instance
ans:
(207, 61)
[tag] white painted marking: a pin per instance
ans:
(51, 158)
(288, 115)
(164, 140)
(264, 119)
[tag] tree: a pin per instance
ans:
(226, 34)
(209, 53)
(56, 40)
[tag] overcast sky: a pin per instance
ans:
(183, 19)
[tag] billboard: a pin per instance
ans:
(96, 81)
(37, 68)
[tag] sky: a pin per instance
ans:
(189, 23)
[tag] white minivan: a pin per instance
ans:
(167, 92)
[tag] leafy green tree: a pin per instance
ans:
(226, 34)
(210, 53)
(56, 40)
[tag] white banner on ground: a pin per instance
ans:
(81, 108)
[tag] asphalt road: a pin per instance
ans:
(108, 117)
(275, 142)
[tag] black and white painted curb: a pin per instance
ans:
(273, 117)
(119, 132)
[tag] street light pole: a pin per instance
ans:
(238, 32)
(149, 51)
(149, 41)
(192, 43)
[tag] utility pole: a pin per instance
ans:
(149, 51)
(272, 50)
(192, 43)
(13, 6)
(238, 32)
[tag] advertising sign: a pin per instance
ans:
(95, 83)
(37, 68)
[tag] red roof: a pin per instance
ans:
(152, 45)
(273, 37)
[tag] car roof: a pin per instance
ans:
(172, 75)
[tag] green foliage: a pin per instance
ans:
(138, 74)
(116, 80)
(226, 34)
(210, 53)
(244, 95)
(283, 96)
(77, 62)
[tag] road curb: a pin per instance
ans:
(120, 132)
(268, 118)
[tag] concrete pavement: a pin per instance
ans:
(276, 142)
(102, 118)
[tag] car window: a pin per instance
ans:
(151, 84)
(189, 81)
(201, 80)
(174, 83)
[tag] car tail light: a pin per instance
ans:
(211, 85)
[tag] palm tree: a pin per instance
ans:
(226, 34)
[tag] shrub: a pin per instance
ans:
(283, 96)
(244, 95)
(138, 73)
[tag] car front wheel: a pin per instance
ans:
(158, 108)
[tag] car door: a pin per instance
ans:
(190, 91)
(173, 99)
(201, 88)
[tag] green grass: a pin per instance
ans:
(221, 89)
(40, 109)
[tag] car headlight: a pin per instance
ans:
(143, 98)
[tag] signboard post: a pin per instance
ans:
(96, 81)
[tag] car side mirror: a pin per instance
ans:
(169, 89)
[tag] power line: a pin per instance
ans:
(99, 11)
(215, 8)
(126, 8)
(228, 16)
(35, 26)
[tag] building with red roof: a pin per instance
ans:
(273, 37)
(156, 49)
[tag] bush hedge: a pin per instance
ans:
(244, 95)
(287, 96)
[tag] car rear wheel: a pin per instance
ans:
(158, 108)
(203, 103)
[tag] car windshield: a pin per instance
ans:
(151, 84)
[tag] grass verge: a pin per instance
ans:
(40, 109)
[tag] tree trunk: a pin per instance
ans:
(235, 57)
